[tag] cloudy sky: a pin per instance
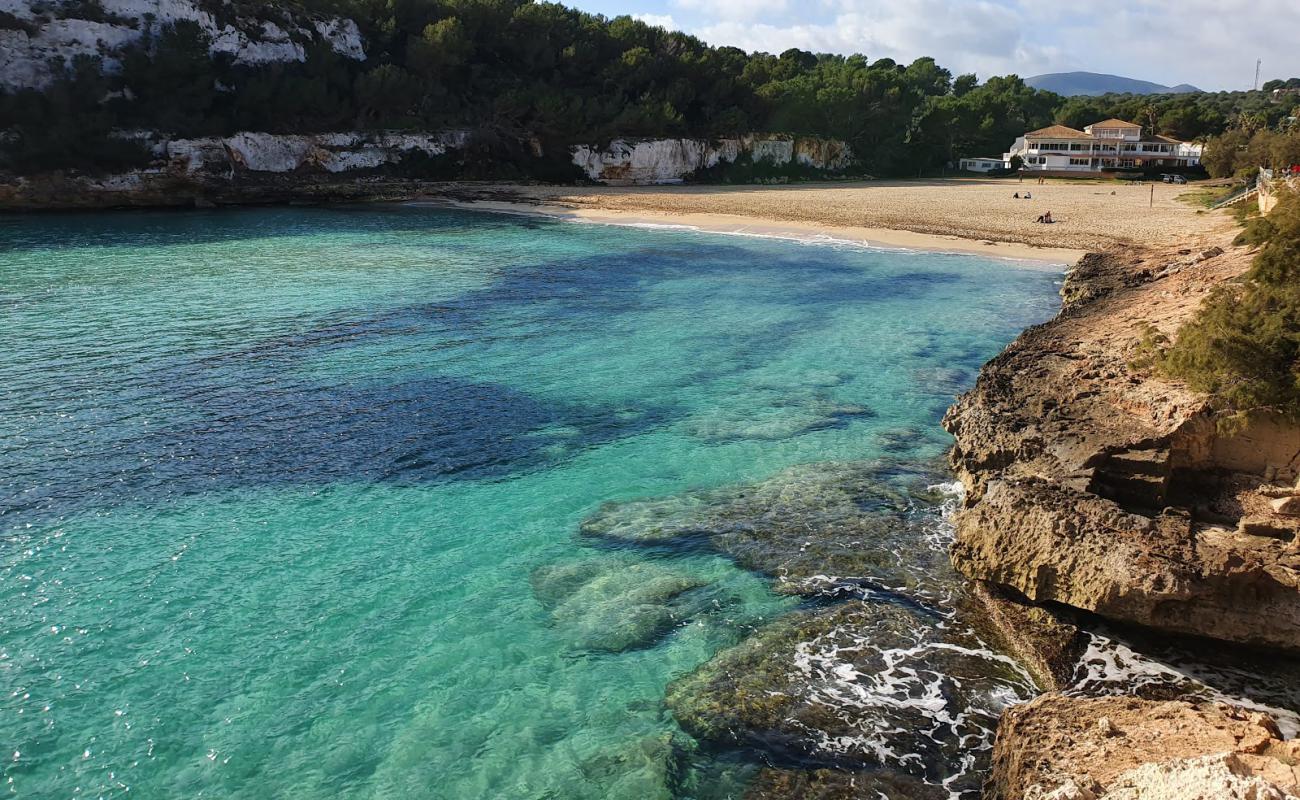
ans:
(1210, 43)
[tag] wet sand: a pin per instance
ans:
(802, 231)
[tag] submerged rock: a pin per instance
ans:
(645, 768)
(855, 685)
(835, 784)
(613, 606)
(773, 418)
(814, 526)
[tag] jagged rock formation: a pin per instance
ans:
(1060, 747)
(861, 686)
(329, 152)
(674, 160)
(31, 55)
(1048, 646)
(1093, 485)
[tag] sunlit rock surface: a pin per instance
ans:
(1075, 748)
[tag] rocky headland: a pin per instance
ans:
(1096, 487)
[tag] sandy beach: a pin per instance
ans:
(960, 215)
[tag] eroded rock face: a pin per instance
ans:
(31, 59)
(1219, 777)
(813, 527)
(1074, 748)
(857, 685)
(248, 167)
(326, 152)
(657, 161)
(1105, 489)
(1047, 645)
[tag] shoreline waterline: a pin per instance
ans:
(1025, 255)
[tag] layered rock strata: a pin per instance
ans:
(1095, 485)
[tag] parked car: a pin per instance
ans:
(1173, 179)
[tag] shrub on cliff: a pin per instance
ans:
(1243, 347)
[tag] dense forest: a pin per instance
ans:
(512, 70)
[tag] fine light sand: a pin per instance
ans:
(962, 215)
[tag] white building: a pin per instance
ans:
(981, 164)
(1113, 143)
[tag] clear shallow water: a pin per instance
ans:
(274, 484)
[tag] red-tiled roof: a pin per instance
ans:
(1057, 132)
(1114, 123)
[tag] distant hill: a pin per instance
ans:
(1094, 83)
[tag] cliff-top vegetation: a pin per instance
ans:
(1243, 347)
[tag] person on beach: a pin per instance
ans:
(1028, 196)
(1046, 218)
(1015, 196)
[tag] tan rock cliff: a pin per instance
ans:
(1096, 486)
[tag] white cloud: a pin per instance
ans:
(733, 9)
(657, 20)
(1212, 43)
(983, 37)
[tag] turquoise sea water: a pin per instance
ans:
(275, 484)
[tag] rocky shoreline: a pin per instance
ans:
(1094, 486)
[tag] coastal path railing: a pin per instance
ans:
(1237, 196)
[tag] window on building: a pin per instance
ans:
(1080, 162)
(1127, 162)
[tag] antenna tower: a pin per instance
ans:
(1258, 62)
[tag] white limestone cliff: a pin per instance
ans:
(31, 59)
(330, 152)
(656, 161)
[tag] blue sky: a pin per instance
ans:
(1210, 43)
